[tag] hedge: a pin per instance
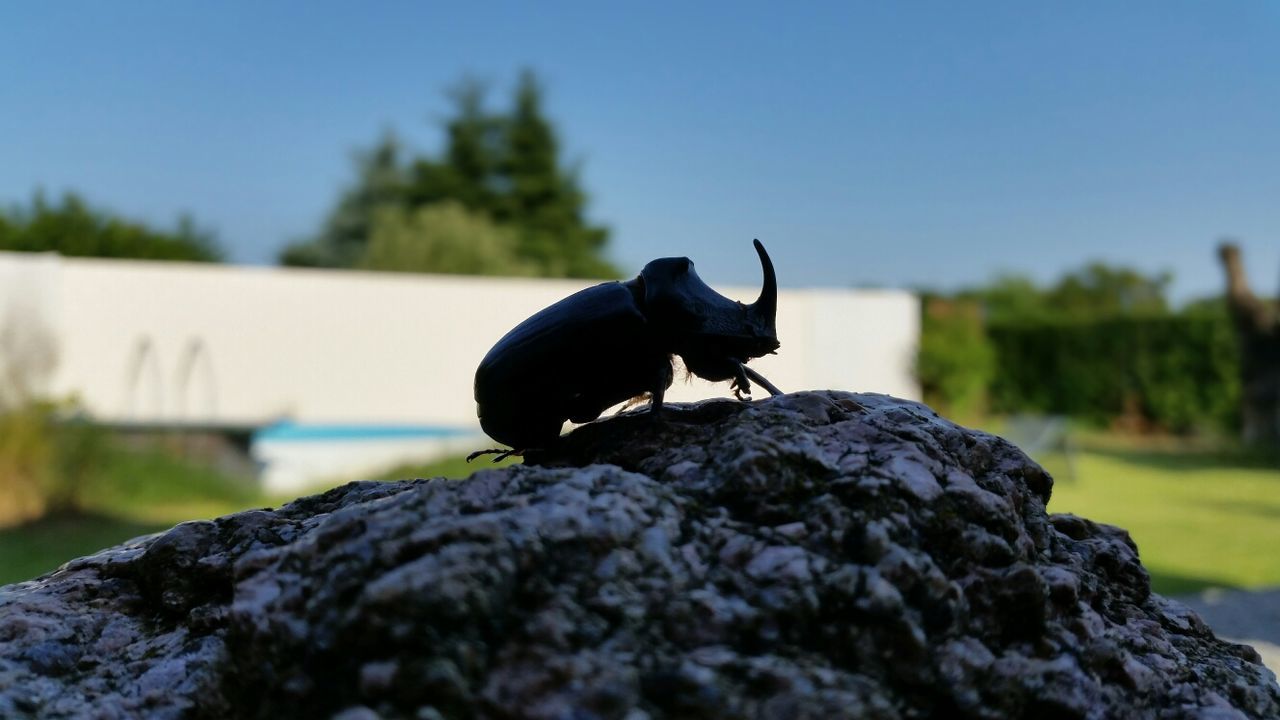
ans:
(1179, 373)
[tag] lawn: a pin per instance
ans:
(137, 492)
(129, 492)
(1201, 517)
(34, 549)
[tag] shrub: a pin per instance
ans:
(956, 362)
(1177, 372)
(26, 464)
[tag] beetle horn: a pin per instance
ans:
(766, 306)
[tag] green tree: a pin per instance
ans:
(1094, 291)
(501, 167)
(1024, 347)
(71, 227)
(468, 171)
(443, 238)
(1009, 297)
(1099, 290)
(956, 362)
(543, 199)
(341, 241)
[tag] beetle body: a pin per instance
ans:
(615, 341)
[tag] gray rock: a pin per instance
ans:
(814, 555)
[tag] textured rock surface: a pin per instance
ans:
(812, 555)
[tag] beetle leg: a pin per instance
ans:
(741, 385)
(655, 402)
(498, 453)
(773, 390)
(666, 373)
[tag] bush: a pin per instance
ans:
(1100, 344)
(26, 464)
(1177, 372)
(45, 465)
(956, 361)
(441, 238)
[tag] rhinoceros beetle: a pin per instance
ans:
(614, 342)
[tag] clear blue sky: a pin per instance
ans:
(887, 144)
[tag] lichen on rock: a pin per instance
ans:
(812, 555)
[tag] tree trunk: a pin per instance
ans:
(1258, 328)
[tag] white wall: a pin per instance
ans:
(357, 347)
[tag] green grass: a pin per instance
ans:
(128, 492)
(453, 467)
(134, 492)
(36, 548)
(1201, 517)
(153, 485)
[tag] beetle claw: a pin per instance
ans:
(742, 383)
(499, 454)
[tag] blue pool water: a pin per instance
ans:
(303, 432)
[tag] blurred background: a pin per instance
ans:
(248, 251)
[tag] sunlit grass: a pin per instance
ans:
(452, 467)
(153, 485)
(41, 546)
(1200, 517)
(129, 492)
(140, 491)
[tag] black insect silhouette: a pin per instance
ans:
(614, 342)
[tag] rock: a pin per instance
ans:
(814, 555)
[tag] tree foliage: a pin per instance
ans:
(956, 361)
(341, 241)
(1096, 290)
(1101, 291)
(503, 169)
(441, 237)
(1174, 371)
(72, 227)
(1100, 342)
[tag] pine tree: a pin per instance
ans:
(346, 231)
(502, 168)
(543, 200)
(467, 172)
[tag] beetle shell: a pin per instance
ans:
(586, 353)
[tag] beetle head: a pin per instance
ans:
(700, 321)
